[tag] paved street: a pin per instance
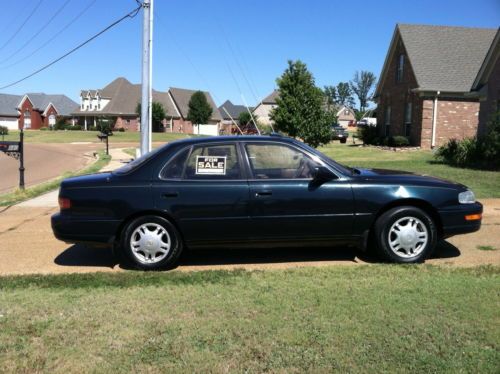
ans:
(44, 162)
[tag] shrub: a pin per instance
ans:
(44, 128)
(60, 125)
(4, 131)
(368, 134)
(74, 127)
(482, 151)
(398, 141)
(121, 129)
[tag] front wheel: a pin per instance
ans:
(405, 235)
(343, 141)
(151, 242)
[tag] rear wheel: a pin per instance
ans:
(405, 235)
(343, 140)
(151, 242)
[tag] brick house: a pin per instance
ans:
(424, 91)
(34, 110)
(487, 84)
(177, 121)
(118, 101)
(263, 109)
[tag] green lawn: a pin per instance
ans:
(483, 183)
(37, 136)
(374, 318)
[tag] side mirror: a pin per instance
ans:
(322, 173)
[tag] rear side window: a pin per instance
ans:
(214, 162)
(175, 166)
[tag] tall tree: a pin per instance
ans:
(299, 111)
(199, 109)
(331, 97)
(344, 94)
(158, 114)
(362, 85)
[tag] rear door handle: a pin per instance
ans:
(170, 194)
(263, 193)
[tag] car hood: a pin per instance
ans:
(405, 177)
(86, 180)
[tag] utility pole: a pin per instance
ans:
(147, 76)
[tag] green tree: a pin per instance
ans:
(199, 109)
(4, 131)
(330, 93)
(344, 94)
(299, 111)
(362, 85)
(158, 115)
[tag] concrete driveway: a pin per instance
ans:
(27, 245)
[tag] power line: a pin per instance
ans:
(22, 25)
(58, 33)
(61, 8)
(131, 14)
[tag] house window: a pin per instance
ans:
(90, 105)
(399, 72)
(387, 121)
(408, 119)
(27, 119)
(83, 106)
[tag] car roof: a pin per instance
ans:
(233, 138)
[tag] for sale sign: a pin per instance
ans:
(211, 165)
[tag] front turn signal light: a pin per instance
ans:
(473, 217)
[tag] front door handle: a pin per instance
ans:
(170, 194)
(263, 193)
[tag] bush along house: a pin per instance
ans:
(425, 91)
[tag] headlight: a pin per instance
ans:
(466, 197)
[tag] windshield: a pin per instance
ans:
(329, 161)
(132, 165)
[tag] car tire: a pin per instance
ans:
(151, 243)
(405, 235)
(343, 141)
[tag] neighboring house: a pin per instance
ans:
(229, 111)
(487, 84)
(118, 101)
(424, 91)
(345, 115)
(263, 109)
(178, 123)
(34, 110)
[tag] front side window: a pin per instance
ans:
(276, 161)
(213, 162)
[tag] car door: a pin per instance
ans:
(203, 187)
(286, 203)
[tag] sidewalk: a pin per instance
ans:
(49, 200)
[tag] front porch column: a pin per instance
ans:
(85, 122)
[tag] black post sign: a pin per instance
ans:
(16, 150)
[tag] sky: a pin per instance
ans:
(234, 49)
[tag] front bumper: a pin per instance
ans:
(83, 230)
(454, 222)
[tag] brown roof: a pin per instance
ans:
(124, 97)
(443, 58)
(271, 98)
(182, 97)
